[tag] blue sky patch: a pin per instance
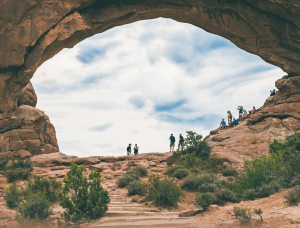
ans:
(101, 128)
(169, 106)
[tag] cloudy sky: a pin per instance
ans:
(140, 82)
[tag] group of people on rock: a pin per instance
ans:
(173, 140)
(135, 149)
(235, 121)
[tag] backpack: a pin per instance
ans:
(230, 116)
(181, 139)
(172, 139)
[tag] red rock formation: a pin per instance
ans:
(27, 96)
(27, 133)
(276, 119)
(31, 32)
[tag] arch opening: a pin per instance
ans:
(140, 82)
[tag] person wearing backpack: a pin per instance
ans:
(129, 149)
(181, 141)
(172, 143)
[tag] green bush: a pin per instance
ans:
(295, 181)
(12, 196)
(171, 170)
(258, 211)
(50, 188)
(3, 162)
(88, 199)
(195, 171)
(206, 199)
(250, 194)
(293, 196)
(268, 189)
(137, 188)
(195, 144)
(18, 174)
(208, 188)
(192, 182)
(124, 180)
(181, 173)
(242, 214)
(35, 207)
(141, 171)
(229, 171)
(226, 195)
(164, 192)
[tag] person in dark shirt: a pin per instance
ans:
(181, 141)
(172, 143)
(235, 122)
(273, 92)
(136, 150)
(129, 149)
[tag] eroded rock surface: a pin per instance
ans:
(276, 119)
(28, 133)
(27, 96)
(31, 32)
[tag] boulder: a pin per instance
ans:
(6, 213)
(189, 213)
(27, 96)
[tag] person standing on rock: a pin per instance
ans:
(240, 108)
(181, 141)
(129, 149)
(253, 110)
(229, 117)
(136, 150)
(172, 143)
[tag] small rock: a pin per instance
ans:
(154, 210)
(136, 198)
(188, 213)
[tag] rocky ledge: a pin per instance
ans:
(277, 118)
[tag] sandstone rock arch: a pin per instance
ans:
(33, 31)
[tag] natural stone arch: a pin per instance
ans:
(33, 31)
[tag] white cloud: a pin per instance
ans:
(140, 82)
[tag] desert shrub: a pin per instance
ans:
(295, 181)
(242, 214)
(250, 194)
(12, 196)
(258, 211)
(3, 162)
(268, 189)
(18, 174)
(192, 182)
(137, 188)
(195, 144)
(88, 199)
(164, 192)
(141, 171)
(208, 188)
(206, 199)
(293, 196)
(195, 171)
(171, 170)
(35, 207)
(229, 171)
(181, 173)
(19, 163)
(226, 195)
(124, 180)
(50, 188)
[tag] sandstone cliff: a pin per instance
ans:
(27, 133)
(277, 118)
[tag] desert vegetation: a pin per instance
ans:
(16, 168)
(82, 199)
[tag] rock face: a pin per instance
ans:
(27, 133)
(277, 118)
(31, 32)
(27, 96)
